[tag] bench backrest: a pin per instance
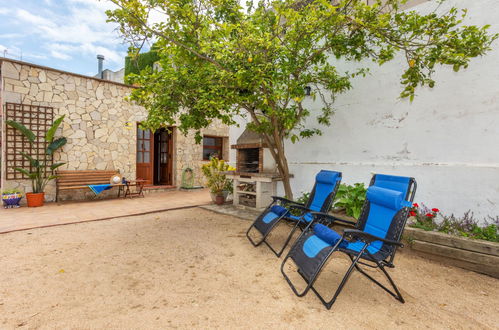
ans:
(82, 178)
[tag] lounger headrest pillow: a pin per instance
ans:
(388, 198)
(326, 234)
(327, 177)
(279, 210)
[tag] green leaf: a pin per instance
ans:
(56, 165)
(49, 136)
(56, 144)
(23, 129)
(22, 170)
(27, 173)
(34, 162)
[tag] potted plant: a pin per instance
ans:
(220, 186)
(38, 173)
(11, 198)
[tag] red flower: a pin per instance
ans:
(430, 215)
(415, 205)
(412, 213)
(435, 210)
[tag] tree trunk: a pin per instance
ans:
(282, 163)
(276, 146)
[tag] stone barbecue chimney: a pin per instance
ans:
(100, 60)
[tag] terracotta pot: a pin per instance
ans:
(220, 199)
(214, 195)
(35, 200)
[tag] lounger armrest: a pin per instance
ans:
(368, 238)
(285, 200)
(299, 207)
(330, 218)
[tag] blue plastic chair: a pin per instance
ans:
(373, 243)
(321, 199)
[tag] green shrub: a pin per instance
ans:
(303, 199)
(351, 198)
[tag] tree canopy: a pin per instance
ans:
(223, 58)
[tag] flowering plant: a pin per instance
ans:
(467, 225)
(424, 216)
(216, 179)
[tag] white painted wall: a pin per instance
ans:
(448, 138)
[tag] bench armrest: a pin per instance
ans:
(368, 238)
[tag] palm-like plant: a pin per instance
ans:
(39, 176)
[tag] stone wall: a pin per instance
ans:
(100, 124)
(190, 155)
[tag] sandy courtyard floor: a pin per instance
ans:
(194, 268)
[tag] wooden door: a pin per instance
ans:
(145, 152)
(163, 157)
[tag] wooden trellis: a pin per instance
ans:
(36, 118)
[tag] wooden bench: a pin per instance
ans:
(68, 180)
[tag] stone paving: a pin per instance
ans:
(54, 214)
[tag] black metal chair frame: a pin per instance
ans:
(297, 224)
(355, 258)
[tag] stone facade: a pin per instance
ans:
(189, 154)
(100, 124)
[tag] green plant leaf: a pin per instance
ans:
(23, 129)
(32, 176)
(34, 162)
(56, 165)
(49, 136)
(56, 144)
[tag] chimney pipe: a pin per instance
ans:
(100, 59)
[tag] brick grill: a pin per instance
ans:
(255, 176)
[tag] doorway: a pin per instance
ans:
(155, 156)
(163, 157)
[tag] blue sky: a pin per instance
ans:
(63, 34)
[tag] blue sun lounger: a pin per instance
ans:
(373, 243)
(321, 200)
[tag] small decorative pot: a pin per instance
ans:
(35, 199)
(11, 200)
(214, 195)
(219, 199)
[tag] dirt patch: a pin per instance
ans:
(194, 268)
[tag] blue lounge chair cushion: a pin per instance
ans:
(326, 234)
(275, 212)
(388, 198)
(325, 183)
(358, 245)
(278, 209)
(322, 238)
(306, 217)
(313, 245)
(392, 182)
(384, 204)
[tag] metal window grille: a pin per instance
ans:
(36, 118)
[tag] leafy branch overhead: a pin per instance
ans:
(221, 58)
